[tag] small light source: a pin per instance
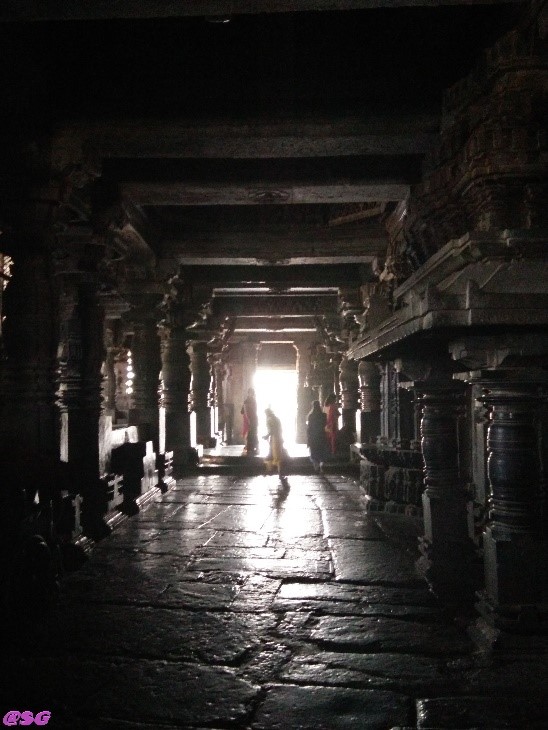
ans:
(218, 18)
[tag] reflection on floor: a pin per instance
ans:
(235, 603)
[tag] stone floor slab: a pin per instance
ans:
(490, 713)
(328, 708)
(365, 633)
(351, 524)
(372, 561)
(405, 673)
(186, 695)
(160, 633)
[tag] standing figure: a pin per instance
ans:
(316, 436)
(276, 454)
(332, 425)
(251, 423)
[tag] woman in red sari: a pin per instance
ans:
(332, 425)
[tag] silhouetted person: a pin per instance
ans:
(251, 423)
(276, 454)
(316, 436)
(332, 425)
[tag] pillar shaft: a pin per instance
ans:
(448, 555)
(515, 546)
(80, 399)
(176, 386)
(29, 417)
(370, 402)
(348, 378)
(304, 393)
(145, 350)
(200, 386)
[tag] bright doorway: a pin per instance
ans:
(276, 388)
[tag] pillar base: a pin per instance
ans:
(449, 563)
(96, 528)
(496, 633)
(184, 458)
(452, 572)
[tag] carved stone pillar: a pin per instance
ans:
(336, 360)
(176, 379)
(80, 362)
(447, 552)
(145, 350)
(216, 394)
(509, 370)
(200, 385)
(348, 378)
(28, 415)
(370, 402)
(390, 404)
(515, 543)
(321, 378)
(304, 393)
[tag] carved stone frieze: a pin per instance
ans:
(488, 171)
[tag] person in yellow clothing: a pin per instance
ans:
(276, 455)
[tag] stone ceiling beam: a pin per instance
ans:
(293, 245)
(402, 134)
(30, 10)
(271, 324)
(286, 276)
(271, 305)
(187, 193)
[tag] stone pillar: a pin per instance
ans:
(390, 404)
(217, 396)
(200, 385)
(28, 415)
(321, 378)
(176, 378)
(336, 360)
(348, 378)
(515, 543)
(304, 393)
(228, 405)
(145, 350)
(80, 359)
(447, 552)
(370, 402)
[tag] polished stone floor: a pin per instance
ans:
(237, 603)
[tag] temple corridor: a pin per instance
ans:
(319, 221)
(231, 602)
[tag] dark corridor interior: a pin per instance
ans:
(194, 195)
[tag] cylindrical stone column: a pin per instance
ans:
(147, 363)
(176, 387)
(216, 396)
(448, 553)
(369, 379)
(321, 378)
(348, 378)
(200, 385)
(29, 417)
(304, 393)
(80, 398)
(515, 545)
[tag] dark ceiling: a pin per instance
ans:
(250, 141)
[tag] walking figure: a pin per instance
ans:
(316, 436)
(251, 423)
(332, 425)
(276, 455)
